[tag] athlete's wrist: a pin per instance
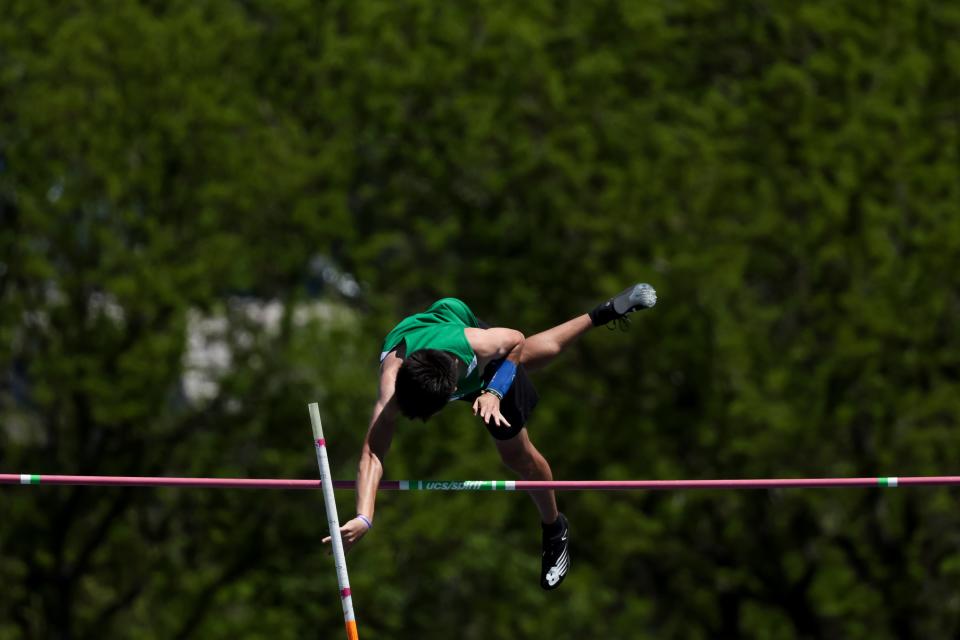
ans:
(365, 520)
(502, 378)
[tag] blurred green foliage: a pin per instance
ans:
(786, 174)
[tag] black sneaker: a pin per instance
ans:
(639, 296)
(555, 560)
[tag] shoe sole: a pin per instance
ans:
(641, 296)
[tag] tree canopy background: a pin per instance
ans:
(285, 179)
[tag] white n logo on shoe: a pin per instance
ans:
(559, 570)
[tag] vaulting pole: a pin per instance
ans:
(339, 558)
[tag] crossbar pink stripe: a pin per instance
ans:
(557, 485)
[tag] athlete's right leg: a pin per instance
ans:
(522, 457)
(539, 349)
(519, 454)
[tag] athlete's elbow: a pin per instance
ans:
(371, 459)
(516, 346)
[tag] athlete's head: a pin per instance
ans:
(425, 382)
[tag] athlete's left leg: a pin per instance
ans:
(539, 349)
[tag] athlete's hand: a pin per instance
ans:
(350, 534)
(487, 406)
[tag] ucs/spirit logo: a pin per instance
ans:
(469, 485)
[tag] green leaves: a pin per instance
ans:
(298, 176)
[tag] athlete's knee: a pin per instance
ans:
(522, 458)
(516, 456)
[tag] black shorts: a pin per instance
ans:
(517, 406)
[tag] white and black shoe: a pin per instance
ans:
(555, 561)
(639, 296)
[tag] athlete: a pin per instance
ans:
(445, 354)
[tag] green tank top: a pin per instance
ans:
(440, 327)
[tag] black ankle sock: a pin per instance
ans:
(553, 528)
(603, 314)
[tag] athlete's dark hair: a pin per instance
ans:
(425, 382)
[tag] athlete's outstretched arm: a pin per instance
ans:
(375, 447)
